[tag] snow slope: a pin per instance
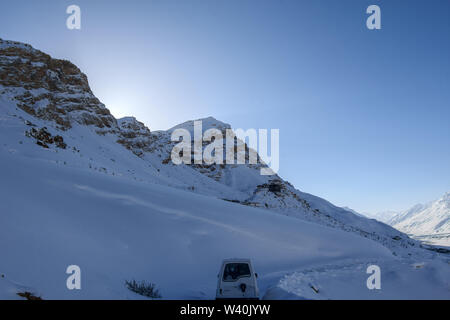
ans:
(116, 228)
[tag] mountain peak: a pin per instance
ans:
(207, 123)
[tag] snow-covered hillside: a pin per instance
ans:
(81, 187)
(428, 222)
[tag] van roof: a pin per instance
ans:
(236, 260)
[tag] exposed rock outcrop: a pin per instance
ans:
(134, 135)
(44, 138)
(50, 89)
(57, 91)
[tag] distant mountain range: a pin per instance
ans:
(383, 216)
(428, 222)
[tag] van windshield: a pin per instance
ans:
(234, 271)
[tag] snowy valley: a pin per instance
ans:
(80, 187)
(427, 222)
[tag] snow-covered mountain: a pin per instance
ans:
(56, 92)
(429, 222)
(245, 185)
(383, 216)
(81, 187)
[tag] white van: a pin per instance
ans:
(237, 280)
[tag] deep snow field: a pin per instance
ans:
(56, 211)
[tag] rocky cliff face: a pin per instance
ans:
(50, 89)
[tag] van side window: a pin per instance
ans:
(234, 271)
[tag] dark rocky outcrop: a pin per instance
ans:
(44, 138)
(50, 89)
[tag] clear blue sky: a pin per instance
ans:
(364, 116)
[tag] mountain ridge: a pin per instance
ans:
(426, 221)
